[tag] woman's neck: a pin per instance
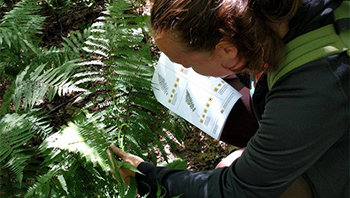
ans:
(281, 28)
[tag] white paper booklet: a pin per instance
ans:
(201, 100)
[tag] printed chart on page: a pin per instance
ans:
(201, 100)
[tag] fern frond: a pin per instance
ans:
(42, 186)
(120, 81)
(17, 159)
(41, 124)
(75, 44)
(35, 85)
(72, 138)
(22, 15)
(121, 109)
(89, 139)
(14, 132)
(20, 24)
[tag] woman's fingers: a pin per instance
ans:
(124, 173)
(118, 152)
(132, 159)
(127, 157)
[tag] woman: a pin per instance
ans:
(301, 145)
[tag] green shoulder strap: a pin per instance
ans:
(317, 44)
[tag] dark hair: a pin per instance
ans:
(248, 24)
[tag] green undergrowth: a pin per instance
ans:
(101, 80)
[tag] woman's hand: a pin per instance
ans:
(127, 157)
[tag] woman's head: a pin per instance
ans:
(247, 26)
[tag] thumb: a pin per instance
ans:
(127, 157)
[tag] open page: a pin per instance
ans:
(201, 100)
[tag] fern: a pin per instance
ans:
(75, 43)
(14, 131)
(110, 65)
(86, 141)
(22, 18)
(35, 85)
(18, 38)
(18, 158)
(42, 185)
(125, 84)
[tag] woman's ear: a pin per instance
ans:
(226, 49)
(228, 55)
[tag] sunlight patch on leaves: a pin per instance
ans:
(71, 139)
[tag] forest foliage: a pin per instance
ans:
(62, 106)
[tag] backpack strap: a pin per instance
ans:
(342, 23)
(317, 44)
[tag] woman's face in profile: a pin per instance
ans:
(205, 63)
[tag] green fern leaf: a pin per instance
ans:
(35, 85)
(17, 159)
(41, 188)
(19, 26)
(71, 139)
(14, 132)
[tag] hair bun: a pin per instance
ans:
(275, 9)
